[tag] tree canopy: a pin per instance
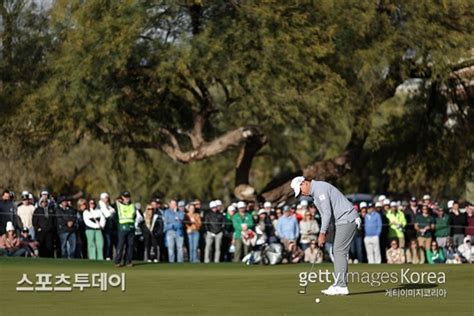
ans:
(264, 90)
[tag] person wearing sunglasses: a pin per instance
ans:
(94, 220)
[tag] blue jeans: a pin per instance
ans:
(17, 253)
(68, 244)
(357, 249)
(193, 245)
(125, 238)
(172, 238)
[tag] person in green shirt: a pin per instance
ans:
(424, 226)
(397, 221)
(442, 223)
(126, 214)
(435, 254)
(242, 217)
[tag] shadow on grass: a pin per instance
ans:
(401, 287)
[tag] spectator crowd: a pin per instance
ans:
(397, 232)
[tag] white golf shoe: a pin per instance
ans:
(335, 290)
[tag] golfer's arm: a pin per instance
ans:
(325, 211)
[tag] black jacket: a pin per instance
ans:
(43, 223)
(458, 223)
(157, 224)
(214, 222)
(63, 216)
(8, 214)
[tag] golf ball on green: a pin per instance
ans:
(317, 300)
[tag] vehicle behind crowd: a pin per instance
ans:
(120, 230)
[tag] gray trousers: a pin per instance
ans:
(342, 243)
(210, 237)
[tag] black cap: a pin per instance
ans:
(126, 194)
(61, 199)
(25, 230)
(413, 199)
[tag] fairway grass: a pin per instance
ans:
(225, 289)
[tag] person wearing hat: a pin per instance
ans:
(25, 212)
(287, 228)
(8, 212)
(267, 206)
(397, 222)
(29, 243)
(334, 207)
(372, 230)
(411, 211)
(466, 249)
(242, 217)
(214, 223)
(43, 222)
(228, 235)
(126, 214)
(67, 225)
(110, 229)
(10, 244)
(265, 225)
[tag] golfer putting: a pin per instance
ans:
(333, 207)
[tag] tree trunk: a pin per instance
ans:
(243, 190)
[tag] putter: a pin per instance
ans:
(311, 270)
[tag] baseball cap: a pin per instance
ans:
(296, 183)
(218, 202)
(381, 198)
(44, 192)
(212, 204)
(426, 197)
(181, 203)
(386, 202)
(267, 204)
(231, 208)
(241, 204)
(25, 230)
(393, 204)
(378, 204)
(286, 208)
(362, 204)
(304, 203)
(413, 199)
(262, 211)
(126, 194)
(104, 195)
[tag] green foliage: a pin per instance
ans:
(111, 74)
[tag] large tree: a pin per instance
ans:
(199, 78)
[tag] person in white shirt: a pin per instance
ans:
(110, 229)
(25, 212)
(95, 222)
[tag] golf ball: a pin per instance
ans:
(317, 300)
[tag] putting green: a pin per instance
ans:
(226, 288)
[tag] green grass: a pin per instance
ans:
(222, 289)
